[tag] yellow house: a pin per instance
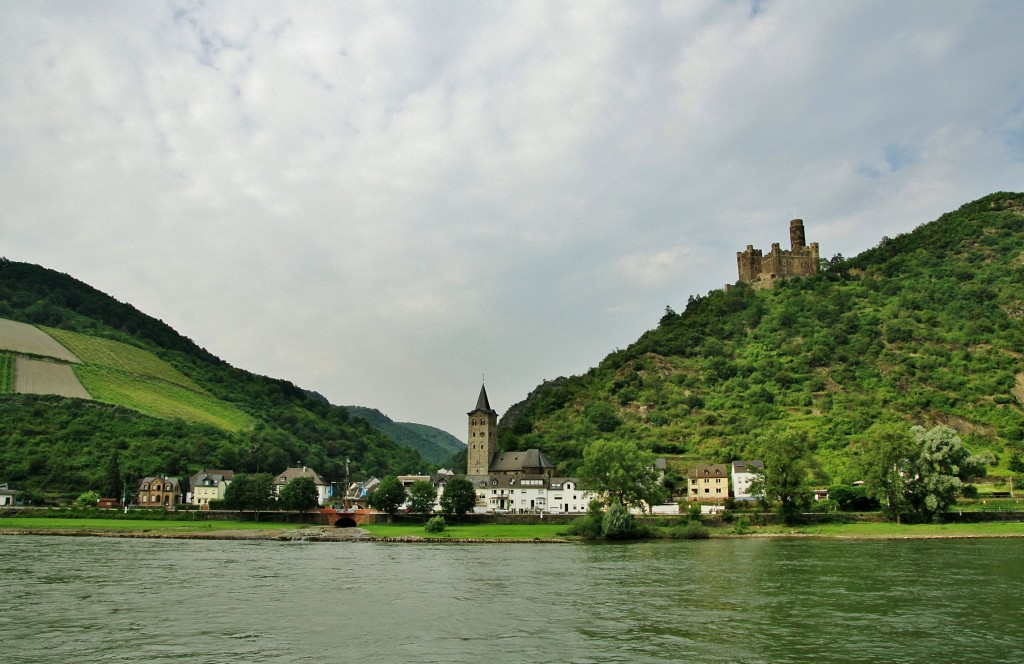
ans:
(708, 483)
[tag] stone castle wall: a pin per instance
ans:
(762, 270)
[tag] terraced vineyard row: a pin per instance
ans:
(120, 356)
(6, 374)
(27, 339)
(159, 399)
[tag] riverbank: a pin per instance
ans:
(409, 533)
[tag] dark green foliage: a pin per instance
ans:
(6, 373)
(618, 523)
(1016, 464)
(299, 495)
(852, 498)
(623, 472)
(61, 445)
(434, 445)
(250, 491)
(435, 525)
(926, 327)
(388, 496)
(458, 497)
(690, 530)
(422, 496)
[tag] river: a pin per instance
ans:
(83, 599)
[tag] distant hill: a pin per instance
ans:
(159, 403)
(433, 444)
(925, 328)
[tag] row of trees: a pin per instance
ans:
(913, 474)
(255, 492)
(458, 497)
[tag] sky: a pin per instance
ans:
(388, 203)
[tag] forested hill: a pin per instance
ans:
(51, 443)
(928, 327)
(436, 446)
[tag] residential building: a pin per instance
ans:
(8, 495)
(161, 491)
(708, 483)
(323, 489)
(743, 473)
(209, 484)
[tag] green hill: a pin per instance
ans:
(926, 328)
(161, 404)
(433, 444)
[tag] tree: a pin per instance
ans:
(937, 474)
(617, 522)
(113, 486)
(388, 496)
(87, 499)
(422, 496)
(622, 471)
(250, 491)
(887, 453)
(785, 472)
(917, 473)
(458, 497)
(299, 494)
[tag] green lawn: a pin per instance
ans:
(482, 531)
(133, 525)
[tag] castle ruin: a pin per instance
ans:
(800, 260)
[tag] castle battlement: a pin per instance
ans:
(800, 260)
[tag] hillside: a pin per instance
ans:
(927, 327)
(436, 446)
(159, 403)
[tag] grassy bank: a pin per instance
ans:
(477, 531)
(135, 525)
(500, 532)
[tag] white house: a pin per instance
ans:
(742, 475)
(323, 489)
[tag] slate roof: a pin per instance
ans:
(747, 466)
(709, 470)
(509, 462)
(291, 473)
(483, 404)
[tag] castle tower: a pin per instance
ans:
(797, 239)
(482, 442)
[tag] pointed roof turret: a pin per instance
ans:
(482, 404)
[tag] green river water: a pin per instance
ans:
(81, 599)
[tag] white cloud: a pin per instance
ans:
(383, 201)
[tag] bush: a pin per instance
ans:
(435, 525)
(693, 512)
(692, 530)
(87, 499)
(969, 491)
(618, 523)
(217, 504)
(741, 526)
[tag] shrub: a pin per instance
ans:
(741, 526)
(87, 499)
(969, 491)
(692, 530)
(618, 523)
(435, 525)
(693, 512)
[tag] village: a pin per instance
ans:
(516, 482)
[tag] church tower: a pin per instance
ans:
(482, 442)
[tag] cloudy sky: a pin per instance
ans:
(385, 201)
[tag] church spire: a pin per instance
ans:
(482, 402)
